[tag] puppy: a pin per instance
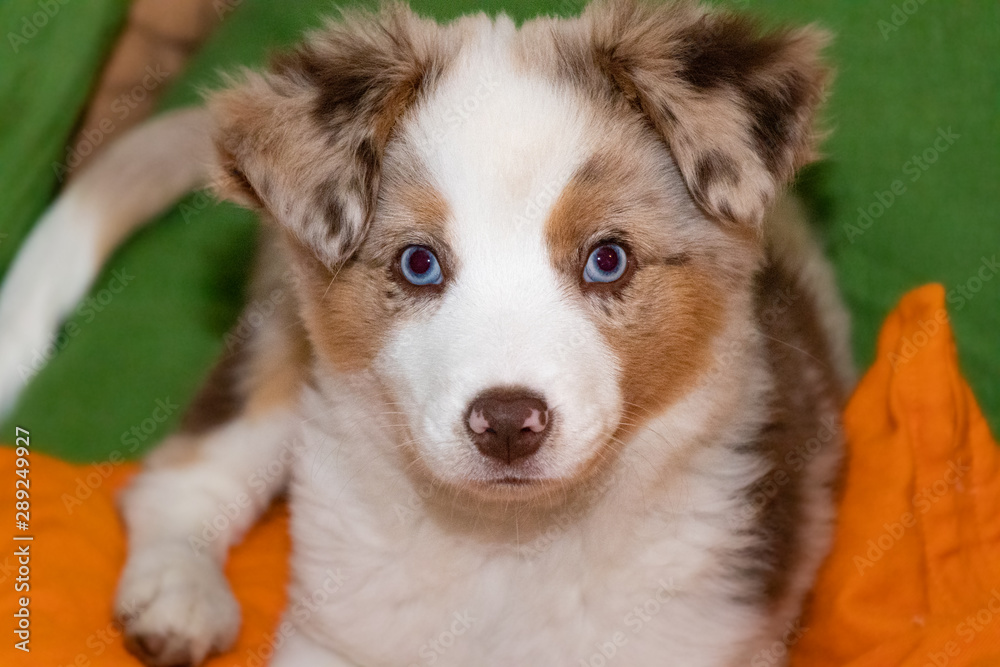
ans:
(552, 369)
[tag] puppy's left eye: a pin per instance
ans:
(419, 266)
(606, 264)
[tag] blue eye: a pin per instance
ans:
(606, 264)
(419, 266)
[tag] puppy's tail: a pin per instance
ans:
(136, 178)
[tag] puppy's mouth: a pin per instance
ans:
(515, 481)
(511, 487)
(528, 479)
(513, 484)
(510, 479)
(550, 473)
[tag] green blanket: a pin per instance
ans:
(906, 195)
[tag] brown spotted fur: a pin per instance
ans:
(704, 112)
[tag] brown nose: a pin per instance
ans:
(508, 424)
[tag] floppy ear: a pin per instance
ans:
(303, 142)
(736, 105)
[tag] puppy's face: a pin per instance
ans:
(539, 281)
(528, 238)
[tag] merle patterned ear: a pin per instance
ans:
(735, 104)
(303, 142)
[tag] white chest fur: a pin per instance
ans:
(635, 570)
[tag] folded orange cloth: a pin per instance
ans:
(913, 580)
(77, 553)
(914, 577)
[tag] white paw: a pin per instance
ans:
(176, 607)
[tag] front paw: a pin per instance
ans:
(176, 607)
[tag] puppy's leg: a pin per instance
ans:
(204, 487)
(173, 599)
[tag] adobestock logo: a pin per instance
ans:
(776, 653)
(913, 343)
(966, 291)
(88, 310)
(901, 13)
(31, 25)
(914, 169)
(767, 488)
(434, 648)
(122, 106)
(635, 620)
(958, 297)
(141, 432)
(458, 114)
(922, 502)
(298, 615)
(967, 631)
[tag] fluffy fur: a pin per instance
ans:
(134, 179)
(682, 499)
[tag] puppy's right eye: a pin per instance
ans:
(607, 263)
(419, 266)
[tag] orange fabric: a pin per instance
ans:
(914, 579)
(78, 551)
